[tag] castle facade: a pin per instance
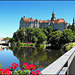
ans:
(57, 24)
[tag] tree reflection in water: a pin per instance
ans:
(35, 56)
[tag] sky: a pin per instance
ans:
(11, 13)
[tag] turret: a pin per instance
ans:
(73, 25)
(53, 16)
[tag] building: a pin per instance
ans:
(73, 25)
(73, 21)
(57, 24)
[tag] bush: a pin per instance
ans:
(42, 46)
(71, 45)
(19, 43)
(67, 46)
(27, 44)
(64, 46)
(0, 65)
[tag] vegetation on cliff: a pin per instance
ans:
(42, 36)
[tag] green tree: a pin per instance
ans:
(37, 31)
(54, 38)
(21, 34)
(50, 29)
(42, 37)
(34, 39)
(70, 26)
(12, 40)
(18, 43)
(73, 27)
(67, 36)
(30, 33)
(22, 29)
(73, 36)
(45, 31)
(6, 38)
(15, 36)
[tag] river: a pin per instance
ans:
(20, 55)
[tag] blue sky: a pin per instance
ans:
(12, 11)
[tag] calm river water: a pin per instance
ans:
(20, 55)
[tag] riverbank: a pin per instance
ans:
(41, 46)
(68, 46)
(34, 45)
(28, 44)
(65, 47)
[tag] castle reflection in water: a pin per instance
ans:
(35, 56)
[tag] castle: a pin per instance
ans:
(57, 24)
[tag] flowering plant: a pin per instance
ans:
(27, 70)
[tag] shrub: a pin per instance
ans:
(42, 46)
(0, 65)
(19, 43)
(71, 45)
(68, 46)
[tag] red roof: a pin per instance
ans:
(28, 19)
(32, 20)
(59, 21)
(44, 21)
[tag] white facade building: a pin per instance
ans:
(57, 24)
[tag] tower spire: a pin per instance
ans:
(53, 16)
(73, 19)
(73, 25)
(53, 12)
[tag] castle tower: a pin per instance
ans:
(73, 22)
(73, 25)
(53, 16)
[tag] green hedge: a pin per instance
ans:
(25, 44)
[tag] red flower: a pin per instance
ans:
(38, 72)
(6, 71)
(32, 67)
(14, 64)
(25, 64)
(33, 73)
(1, 70)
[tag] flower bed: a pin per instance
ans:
(27, 70)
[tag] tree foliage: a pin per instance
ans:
(67, 36)
(34, 39)
(73, 27)
(50, 29)
(54, 38)
(39, 35)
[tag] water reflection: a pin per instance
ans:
(2, 47)
(36, 56)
